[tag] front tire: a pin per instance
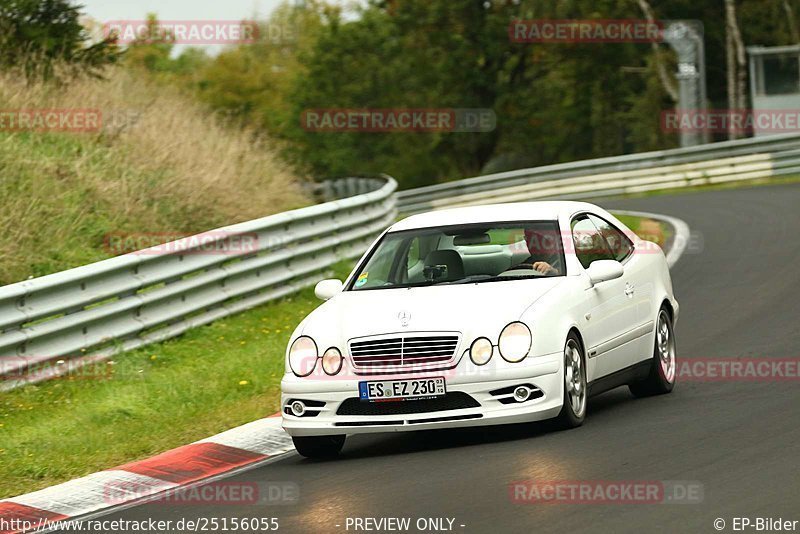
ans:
(573, 411)
(663, 370)
(319, 446)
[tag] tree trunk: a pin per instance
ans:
(736, 61)
(666, 81)
(730, 68)
(790, 17)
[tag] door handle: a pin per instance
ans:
(629, 290)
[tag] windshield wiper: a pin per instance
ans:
(421, 284)
(470, 280)
(500, 278)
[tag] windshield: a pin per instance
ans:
(471, 253)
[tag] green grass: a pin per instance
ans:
(157, 398)
(174, 171)
(153, 399)
(649, 229)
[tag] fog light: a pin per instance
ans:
(298, 408)
(521, 394)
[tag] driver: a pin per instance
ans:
(543, 252)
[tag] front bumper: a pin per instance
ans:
(545, 373)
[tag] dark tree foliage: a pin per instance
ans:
(40, 36)
(554, 101)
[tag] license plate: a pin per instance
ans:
(397, 390)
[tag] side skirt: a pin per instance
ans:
(635, 372)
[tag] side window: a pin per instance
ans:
(590, 245)
(619, 243)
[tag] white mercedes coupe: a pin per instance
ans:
(481, 316)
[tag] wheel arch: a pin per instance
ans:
(577, 332)
(589, 363)
(666, 303)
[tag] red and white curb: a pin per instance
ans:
(236, 448)
(231, 450)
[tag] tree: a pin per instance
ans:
(736, 63)
(41, 35)
(151, 50)
(790, 21)
(554, 102)
(667, 81)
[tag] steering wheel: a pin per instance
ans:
(529, 266)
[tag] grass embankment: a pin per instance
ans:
(648, 229)
(154, 399)
(160, 164)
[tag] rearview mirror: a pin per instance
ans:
(326, 289)
(604, 270)
(471, 239)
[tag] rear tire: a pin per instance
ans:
(663, 370)
(319, 446)
(573, 411)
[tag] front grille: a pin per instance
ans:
(420, 350)
(455, 400)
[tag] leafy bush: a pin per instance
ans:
(37, 35)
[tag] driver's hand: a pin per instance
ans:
(544, 267)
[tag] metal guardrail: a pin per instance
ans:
(344, 188)
(90, 313)
(743, 159)
(62, 321)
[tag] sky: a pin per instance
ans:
(103, 10)
(182, 10)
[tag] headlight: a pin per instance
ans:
(481, 351)
(303, 356)
(332, 361)
(515, 342)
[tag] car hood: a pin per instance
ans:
(472, 309)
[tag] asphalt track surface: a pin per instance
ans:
(739, 289)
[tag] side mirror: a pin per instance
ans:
(604, 270)
(326, 289)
